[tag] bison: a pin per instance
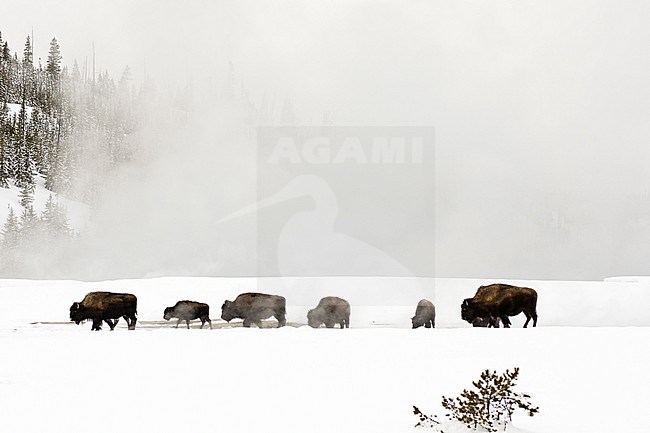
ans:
(98, 306)
(188, 310)
(498, 301)
(425, 315)
(330, 311)
(254, 307)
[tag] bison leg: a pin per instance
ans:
(110, 323)
(127, 320)
(433, 324)
(506, 321)
(97, 325)
(132, 324)
(178, 322)
(427, 324)
(528, 317)
(247, 323)
(282, 320)
(206, 319)
(188, 324)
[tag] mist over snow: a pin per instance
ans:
(540, 114)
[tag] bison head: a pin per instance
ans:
(313, 319)
(228, 311)
(168, 313)
(77, 313)
(417, 321)
(467, 312)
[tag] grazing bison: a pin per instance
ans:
(425, 315)
(498, 301)
(98, 306)
(254, 307)
(330, 311)
(189, 310)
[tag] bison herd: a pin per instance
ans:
(490, 306)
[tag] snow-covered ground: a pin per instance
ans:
(585, 365)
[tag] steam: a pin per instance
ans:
(540, 109)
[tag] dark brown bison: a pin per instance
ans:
(425, 315)
(189, 310)
(254, 307)
(330, 311)
(498, 301)
(98, 306)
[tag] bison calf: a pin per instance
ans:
(189, 310)
(330, 311)
(425, 315)
(98, 306)
(498, 301)
(255, 307)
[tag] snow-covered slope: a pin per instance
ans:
(78, 213)
(62, 377)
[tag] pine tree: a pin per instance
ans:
(3, 83)
(26, 194)
(11, 231)
(54, 58)
(491, 405)
(29, 224)
(27, 84)
(5, 150)
(55, 220)
(23, 147)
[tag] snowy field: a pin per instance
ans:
(585, 365)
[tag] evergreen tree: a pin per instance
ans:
(29, 225)
(23, 147)
(54, 58)
(3, 83)
(5, 150)
(27, 82)
(55, 220)
(11, 231)
(27, 194)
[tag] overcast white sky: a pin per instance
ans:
(525, 96)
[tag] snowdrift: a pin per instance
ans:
(585, 365)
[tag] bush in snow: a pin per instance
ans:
(488, 406)
(427, 421)
(491, 404)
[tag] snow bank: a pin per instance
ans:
(58, 377)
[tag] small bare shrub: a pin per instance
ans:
(491, 404)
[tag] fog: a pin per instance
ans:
(540, 111)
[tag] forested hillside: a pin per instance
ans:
(67, 125)
(68, 134)
(64, 129)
